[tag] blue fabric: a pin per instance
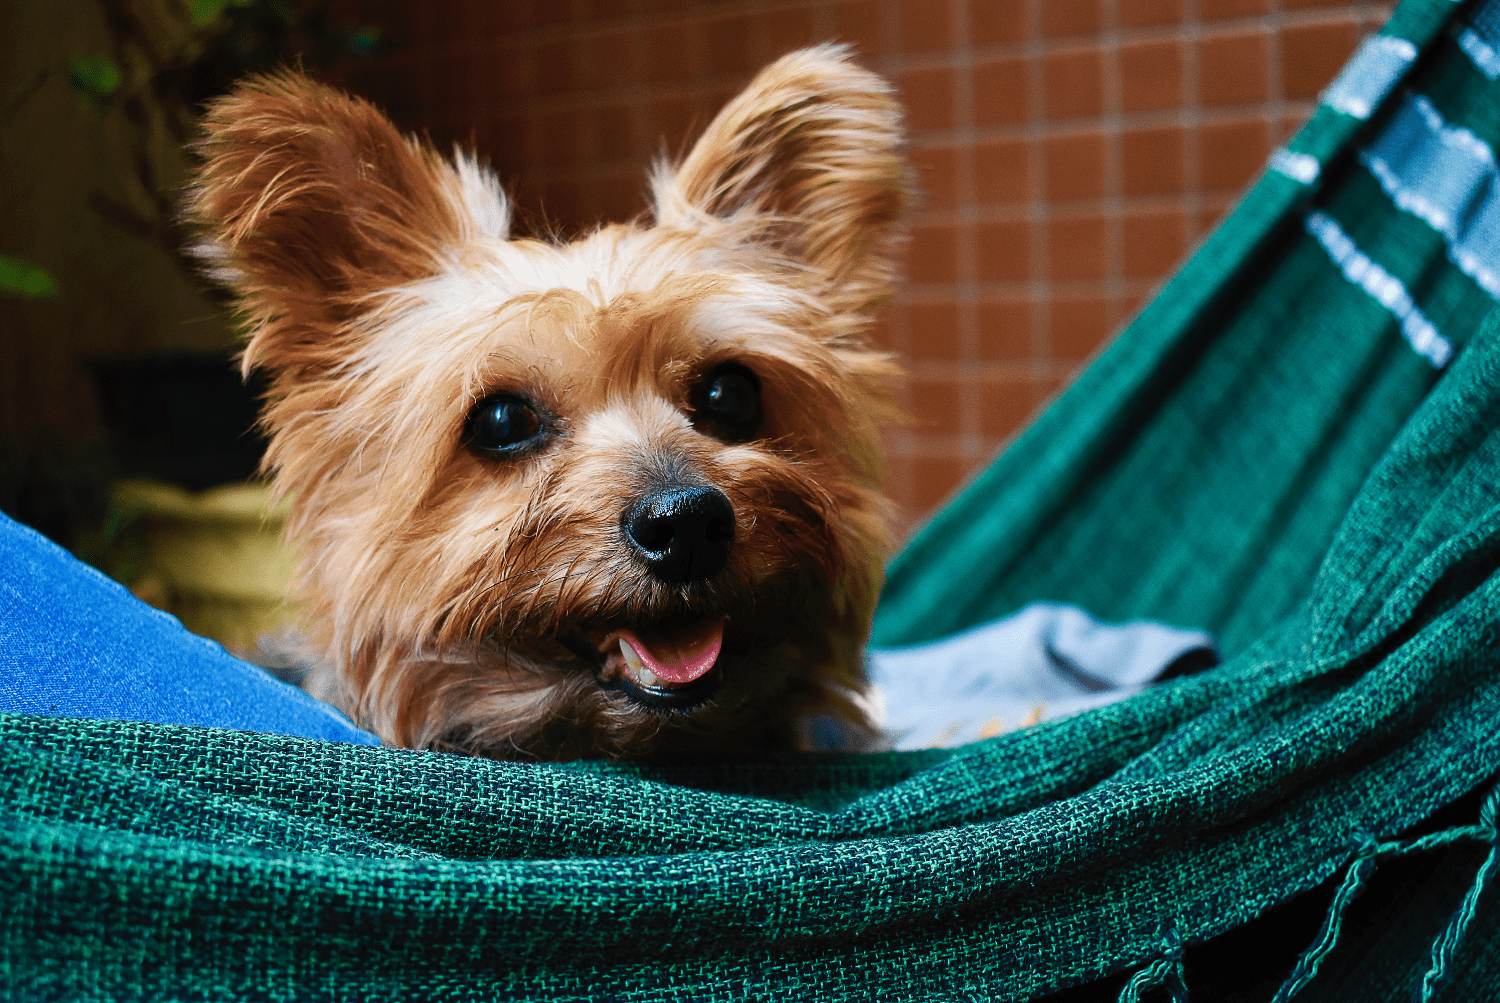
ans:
(1045, 662)
(77, 644)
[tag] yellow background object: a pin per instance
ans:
(215, 559)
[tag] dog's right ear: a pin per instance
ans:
(311, 201)
(809, 159)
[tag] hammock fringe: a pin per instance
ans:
(1366, 860)
(1165, 972)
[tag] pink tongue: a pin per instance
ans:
(682, 654)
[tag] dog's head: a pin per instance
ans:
(556, 499)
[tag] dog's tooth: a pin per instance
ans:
(636, 667)
(632, 659)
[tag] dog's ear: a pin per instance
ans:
(311, 201)
(810, 156)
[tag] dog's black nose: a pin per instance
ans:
(684, 534)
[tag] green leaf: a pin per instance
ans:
(22, 278)
(94, 76)
(206, 12)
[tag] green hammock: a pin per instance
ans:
(1296, 447)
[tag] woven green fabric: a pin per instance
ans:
(1262, 454)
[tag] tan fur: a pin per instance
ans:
(385, 298)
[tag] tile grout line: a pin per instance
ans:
(1192, 117)
(970, 416)
(1113, 207)
(640, 94)
(1275, 83)
(1039, 292)
(824, 23)
(644, 92)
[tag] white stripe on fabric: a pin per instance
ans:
(1445, 175)
(1303, 167)
(1481, 40)
(1484, 56)
(1370, 75)
(1384, 287)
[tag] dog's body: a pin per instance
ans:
(609, 497)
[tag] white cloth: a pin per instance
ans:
(1045, 662)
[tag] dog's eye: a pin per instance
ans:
(727, 400)
(501, 424)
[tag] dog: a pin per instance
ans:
(614, 497)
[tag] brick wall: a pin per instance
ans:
(1070, 152)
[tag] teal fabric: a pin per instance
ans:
(1262, 453)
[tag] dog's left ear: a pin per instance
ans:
(311, 201)
(810, 157)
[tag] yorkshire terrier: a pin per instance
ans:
(614, 497)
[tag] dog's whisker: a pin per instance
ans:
(536, 592)
(507, 578)
(474, 598)
(528, 589)
(571, 573)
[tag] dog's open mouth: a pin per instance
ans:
(671, 666)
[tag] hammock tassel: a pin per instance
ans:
(1446, 945)
(1165, 972)
(1328, 936)
(1368, 855)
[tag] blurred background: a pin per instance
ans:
(1070, 153)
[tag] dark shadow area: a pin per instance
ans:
(179, 417)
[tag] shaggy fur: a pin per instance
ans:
(449, 591)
